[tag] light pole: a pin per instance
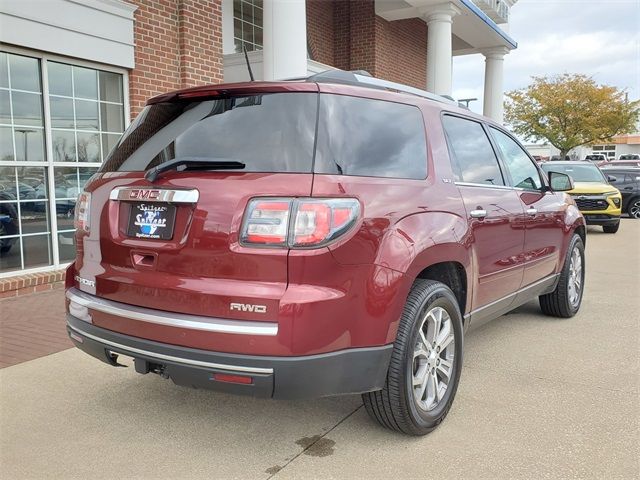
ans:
(25, 132)
(467, 101)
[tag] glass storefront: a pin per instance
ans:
(58, 121)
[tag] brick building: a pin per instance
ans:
(73, 73)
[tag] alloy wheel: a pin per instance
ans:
(575, 277)
(634, 211)
(433, 358)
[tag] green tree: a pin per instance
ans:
(569, 111)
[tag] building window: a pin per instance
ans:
(607, 150)
(57, 123)
(247, 25)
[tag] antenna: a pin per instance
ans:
(246, 57)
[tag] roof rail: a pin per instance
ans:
(364, 79)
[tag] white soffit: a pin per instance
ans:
(95, 30)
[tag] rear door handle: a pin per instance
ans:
(531, 211)
(479, 213)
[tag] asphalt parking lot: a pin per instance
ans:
(539, 398)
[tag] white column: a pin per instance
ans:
(284, 39)
(227, 27)
(494, 82)
(439, 55)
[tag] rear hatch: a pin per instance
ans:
(172, 242)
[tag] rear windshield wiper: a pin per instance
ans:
(192, 163)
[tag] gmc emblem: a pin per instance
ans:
(247, 307)
(144, 194)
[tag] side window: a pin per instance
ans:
(523, 172)
(471, 151)
(370, 138)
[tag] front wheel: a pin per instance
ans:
(565, 300)
(425, 364)
(611, 228)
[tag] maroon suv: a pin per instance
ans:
(333, 235)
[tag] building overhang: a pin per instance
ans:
(473, 30)
(95, 30)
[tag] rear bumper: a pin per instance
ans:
(343, 372)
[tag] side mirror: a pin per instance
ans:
(611, 178)
(560, 182)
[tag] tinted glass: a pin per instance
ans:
(25, 73)
(60, 79)
(372, 138)
(524, 173)
(473, 158)
(579, 172)
(268, 133)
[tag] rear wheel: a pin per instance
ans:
(611, 228)
(565, 300)
(425, 364)
(634, 208)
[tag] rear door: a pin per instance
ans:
(544, 210)
(495, 215)
(173, 244)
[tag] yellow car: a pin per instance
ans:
(599, 202)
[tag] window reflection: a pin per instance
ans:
(472, 155)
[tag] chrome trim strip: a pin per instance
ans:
(535, 284)
(171, 358)
(484, 185)
(179, 320)
(160, 195)
(583, 196)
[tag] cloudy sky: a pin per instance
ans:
(600, 38)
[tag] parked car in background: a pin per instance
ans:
(316, 237)
(621, 163)
(599, 202)
(8, 221)
(627, 180)
(630, 156)
(596, 157)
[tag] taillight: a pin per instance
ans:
(81, 217)
(316, 222)
(267, 222)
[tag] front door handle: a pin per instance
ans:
(479, 213)
(531, 211)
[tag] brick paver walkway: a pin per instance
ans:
(32, 326)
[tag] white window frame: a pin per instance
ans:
(49, 163)
(254, 46)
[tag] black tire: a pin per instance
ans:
(395, 406)
(611, 228)
(633, 209)
(558, 303)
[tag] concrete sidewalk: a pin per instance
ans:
(538, 398)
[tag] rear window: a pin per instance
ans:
(371, 138)
(268, 133)
(579, 172)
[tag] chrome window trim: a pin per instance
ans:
(164, 195)
(484, 185)
(161, 356)
(178, 320)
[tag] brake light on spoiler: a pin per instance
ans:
(297, 222)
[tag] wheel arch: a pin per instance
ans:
(454, 275)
